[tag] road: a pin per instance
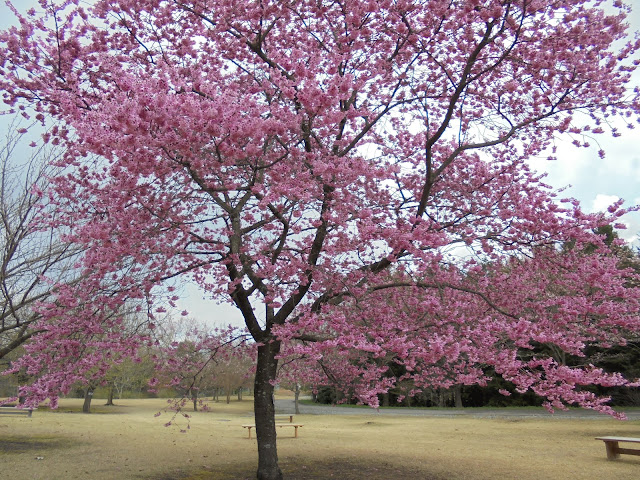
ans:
(288, 406)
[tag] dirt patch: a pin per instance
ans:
(24, 444)
(376, 424)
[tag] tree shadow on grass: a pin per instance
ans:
(305, 469)
(24, 444)
(349, 469)
(95, 409)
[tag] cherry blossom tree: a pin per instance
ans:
(322, 163)
(202, 360)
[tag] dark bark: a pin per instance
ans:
(457, 390)
(194, 397)
(20, 337)
(266, 369)
(110, 398)
(297, 398)
(88, 395)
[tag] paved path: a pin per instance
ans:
(288, 406)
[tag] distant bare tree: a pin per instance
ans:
(33, 256)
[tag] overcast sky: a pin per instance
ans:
(596, 183)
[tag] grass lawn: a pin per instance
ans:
(128, 442)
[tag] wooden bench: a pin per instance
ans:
(614, 451)
(279, 425)
(15, 411)
(285, 415)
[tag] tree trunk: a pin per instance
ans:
(88, 395)
(194, 397)
(266, 368)
(240, 394)
(110, 397)
(457, 391)
(385, 399)
(297, 398)
(228, 395)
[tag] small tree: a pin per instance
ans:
(201, 361)
(131, 375)
(234, 371)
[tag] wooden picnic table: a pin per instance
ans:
(613, 448)
(279, 425)
(15, 411)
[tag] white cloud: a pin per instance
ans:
(602, 201)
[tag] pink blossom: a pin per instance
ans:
(348, 177)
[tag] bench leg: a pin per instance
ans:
(296, 431)
(612, 450)
(249, 428)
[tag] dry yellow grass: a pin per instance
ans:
(128, 442)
